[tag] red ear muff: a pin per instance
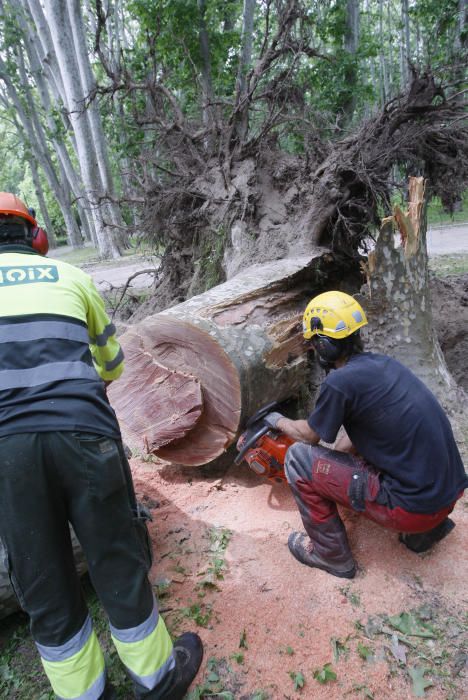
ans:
(40, 242)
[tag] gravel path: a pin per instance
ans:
(441, 240)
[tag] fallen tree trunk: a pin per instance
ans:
(197, 370)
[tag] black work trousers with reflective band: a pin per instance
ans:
(48, 480)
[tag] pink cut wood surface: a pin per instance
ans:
(179, 396)
(180, 345)
(158, 404)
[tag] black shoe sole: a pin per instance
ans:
(420, 543)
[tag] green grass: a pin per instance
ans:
(437, 216)
(445, 265)
(21, 673)
(75, 256)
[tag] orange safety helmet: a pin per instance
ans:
(11, 204)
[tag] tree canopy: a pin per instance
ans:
(119, 104)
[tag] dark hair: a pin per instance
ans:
(354, 344)
(15, 233)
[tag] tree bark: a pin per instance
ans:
(405, 44)
(42, 203)
(35, 137)
(197, 370)
(207, 86)
(88, 84)
(242, 119)
(351, 45)
(398, 303)
(88, 157)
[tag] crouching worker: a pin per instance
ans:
(399, 466)
(61, 462)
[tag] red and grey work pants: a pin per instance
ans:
(48, 480)
(321, 478)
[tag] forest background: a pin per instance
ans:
(217, 134)
(119, 118)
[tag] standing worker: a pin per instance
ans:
(61, 462)
(398, 465)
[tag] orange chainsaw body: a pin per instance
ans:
(266, 457)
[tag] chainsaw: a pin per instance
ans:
(263, 448)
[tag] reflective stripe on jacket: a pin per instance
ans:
(40, 289)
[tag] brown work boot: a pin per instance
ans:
(423, 541)
(302, 548)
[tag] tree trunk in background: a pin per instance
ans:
(351, 45)
(36, 140)
(88, 156)
(67, 169)
(111, 210)
(242, 118)
(42, 204)
(460, 49)
(196, 371)
(398, 298)
(207, 86)
(405, 52)
(384, 88)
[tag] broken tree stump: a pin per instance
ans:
(195, 371)
(398, 297)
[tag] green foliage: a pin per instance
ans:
(325, 674)
(420, 684)
(339, 648)
(422, 644)
(436, 215)
(199, 612)
(364, 651)
(214, 572)
(411, 625)
(298, 679)
(214, 684)
(445, 265)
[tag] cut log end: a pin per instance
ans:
(180, 377)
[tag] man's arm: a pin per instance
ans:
(298, 430)
(344, 444)
(105, 349)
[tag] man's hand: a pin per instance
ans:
(298, 430)
(271, 419)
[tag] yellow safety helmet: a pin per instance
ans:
(333, 314)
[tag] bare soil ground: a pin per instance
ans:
(269, 624)
(275, 629)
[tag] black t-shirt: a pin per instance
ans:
(396, 424)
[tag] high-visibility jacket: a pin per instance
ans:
(57, 347)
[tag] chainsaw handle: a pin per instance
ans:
(251, 441)
(262, 413)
